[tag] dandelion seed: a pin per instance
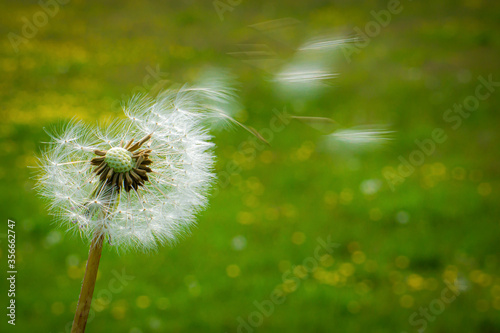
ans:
(311, 67)
(326, 43)
(304, 75)
(362, 136)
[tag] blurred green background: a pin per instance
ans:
(398, 251)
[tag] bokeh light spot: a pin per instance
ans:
(402, 262)
(143, 302)
(298, 238)
(406, 301)
(233, 271)
(484, 189)
(57, 308)
(358, 257)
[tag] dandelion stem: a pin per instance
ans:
(88, 284)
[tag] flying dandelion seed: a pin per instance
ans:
(326, 43)
(358, 138)
(304, 75)
(311, 67)
(363, 135)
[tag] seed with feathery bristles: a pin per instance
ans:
(110, 173)
(136, 176)
(129, 143)
(139, 161)
(100, 168)
(97, 160)
(138, 144)
(140, 172)
(145, 168)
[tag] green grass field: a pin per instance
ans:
(419, 252)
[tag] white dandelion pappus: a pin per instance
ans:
(213, 98)
(326, 43)
(140, 181)
(304, 75)
(311, 68)
(361, 136)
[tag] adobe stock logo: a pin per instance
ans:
(154, 79)
(225, 6)
(420, 319)
(373, 28)
(30, 27)
(266, 307)
(427, 146)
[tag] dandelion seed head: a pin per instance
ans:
(140, 181)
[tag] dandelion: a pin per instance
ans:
(137, 183)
